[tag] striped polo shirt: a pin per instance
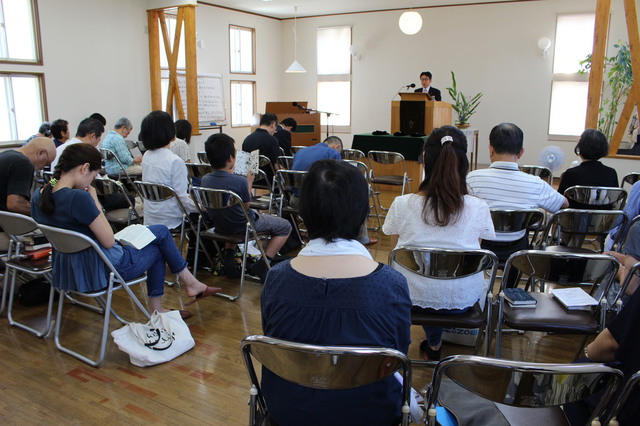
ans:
(504, 186)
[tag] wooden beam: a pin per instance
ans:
(173, 64)
(596, 75)
(192, 66)
(154, 60)
(621, 127)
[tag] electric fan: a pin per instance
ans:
(551, 157)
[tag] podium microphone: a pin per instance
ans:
(412, 85)
(295, 104)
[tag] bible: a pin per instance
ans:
(137, 236)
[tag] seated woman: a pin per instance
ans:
(160, 165)
(591, 147)
(441, 215)
(180, 145)
(334, 293)
(70, 202)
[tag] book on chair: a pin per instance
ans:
(518, 298)
(574, 298)
(246, 161)
(137, 236)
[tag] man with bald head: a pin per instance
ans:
(16, 175)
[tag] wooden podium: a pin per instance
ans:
(416, 113)
(308, 131)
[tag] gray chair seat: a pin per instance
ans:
(388, 180)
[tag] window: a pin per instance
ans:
(334, 76)
(19, 40)
(574, 41)
(242, 103)
(23, 109)
(241, 50)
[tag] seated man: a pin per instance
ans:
(264, 141)
(16, 176)
(221, 152)
(504, 186)
(60, 131)
(115, 142)
(283, 134)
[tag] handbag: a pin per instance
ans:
(165, 337)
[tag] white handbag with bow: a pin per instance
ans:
(165, 337)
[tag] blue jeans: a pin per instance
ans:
(434, 334)
(151, 259)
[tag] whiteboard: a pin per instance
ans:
(210, 98)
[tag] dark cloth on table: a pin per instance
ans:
(588, 173)
(373, 310)
(230, 220)
(16, 176)
(284, 139)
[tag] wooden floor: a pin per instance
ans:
(208, 385)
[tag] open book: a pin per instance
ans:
(246, 161)
(574, 298)
(137, 236)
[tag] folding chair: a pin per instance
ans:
(202, 157)
(596, 197)
(67, 243)
(543, 173)
(629, 388)
(197, 171)
(265, 201)
(568, 229)
(630, 178)
(380, 163)
(286, 162)
(17, 225)
(118, 217)
(565, 270)
(107, 154)
(524, 393)
(297, 148)
(445, 265)
(353, 154)
(322, 368)
(365, 172)
(208, 199)
(288, 181)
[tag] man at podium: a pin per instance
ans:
(425, 80)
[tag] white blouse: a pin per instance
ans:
(404, 219)
(181, 149)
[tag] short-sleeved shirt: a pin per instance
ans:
(320, 151)
(404, 219)
(263, 141)
(16, 176)
(504, 186)
(118, 145)
(372, 310)
(230, 220)
(181, 149)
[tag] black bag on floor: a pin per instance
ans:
(34, 292)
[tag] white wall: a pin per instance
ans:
(492, 48)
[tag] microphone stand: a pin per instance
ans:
(329, 114)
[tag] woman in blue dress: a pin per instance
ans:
(69, 201)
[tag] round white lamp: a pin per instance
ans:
(410, 22)
(544, 43)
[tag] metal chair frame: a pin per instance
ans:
(198, 171)
(520, 384)
(69, 242)
(630, 386)
(107, 154)
(107, 186)
(321, 367)
(285, 181)
(202, 157)
(296, 148)
(443, 265)
(387, 157)
(17, 225)
(365, 172)
(597, 197)
(353, 155)
(542, 172)
(622, 239)
(286, 162)
(214, 199)
(597, 270)
(630, 178)
(274, 198)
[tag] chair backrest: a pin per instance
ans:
(526, 384)
(286, 161)
(362, 167)
(202, 157)
(296, 148)
(384, 157)
(289, 179)
(198, 170)
(516, 220)
(16, 224)
(569, 225)
(218, 199)
(597, 197)
(566, 269)
(629, 388)
(443, 264)
(630, 178)
(160, 192)
(627, 231)
(353, 154)
(325, 367)
(262, 181)
(543, 173)
(265, 164)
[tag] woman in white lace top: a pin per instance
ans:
(442, 215)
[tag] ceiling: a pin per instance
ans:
(283, 9)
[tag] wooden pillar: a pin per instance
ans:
(192, 66)
(603, 8)
(154, 60)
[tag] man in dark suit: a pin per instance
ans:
(425, 80)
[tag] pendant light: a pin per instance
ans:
(295, 66)
(410, 22)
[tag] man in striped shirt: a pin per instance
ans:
(504, 186)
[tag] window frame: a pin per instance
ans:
(231, 102)
(37, 39)
(253, 50)
(43, 103)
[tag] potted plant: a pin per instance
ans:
(463, 105)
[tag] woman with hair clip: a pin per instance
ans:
(69, 201)
(441, 215)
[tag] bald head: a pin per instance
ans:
(41, 152)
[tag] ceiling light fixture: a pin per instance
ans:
(410, 22)
(295, 66)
